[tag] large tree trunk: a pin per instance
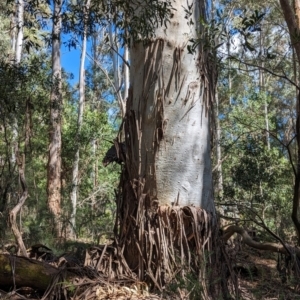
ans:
(169, 100)
(167, 208)
(54, 161)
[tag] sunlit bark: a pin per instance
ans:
(126, 73)
(19, 39)
(170, 101)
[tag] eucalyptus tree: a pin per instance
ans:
(167, 191)
(55, 142)
(75, 175)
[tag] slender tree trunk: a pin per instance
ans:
(75, 175)
(21, 159)
(16, 158)
(115, 58)
(93, 107)
(18, 53)
(13, 33)
(19, 39)
(229, 75)
(218, 148)
(126, 74)
(263, 92)
(218, 169)
(292, 17)
(116, 69)
(217, 141)
(54, 160)
(14, 212)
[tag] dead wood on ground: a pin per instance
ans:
(17, 271)
(273, 247)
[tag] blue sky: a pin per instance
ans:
(70, 60)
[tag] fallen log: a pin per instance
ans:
(18, 271)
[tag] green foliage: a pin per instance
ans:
(255, 177)
(256, 106)
(23, 102)
(96, 206)
(130, 25)
(4, 38)
(26, 88)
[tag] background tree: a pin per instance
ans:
(54, 161)
(80, 117)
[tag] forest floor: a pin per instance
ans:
(258, 278)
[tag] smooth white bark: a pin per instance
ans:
(126, 74)
(169, 83)
(218, 148)
(17, 48)
(20, 23)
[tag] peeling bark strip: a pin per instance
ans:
(161, 244)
